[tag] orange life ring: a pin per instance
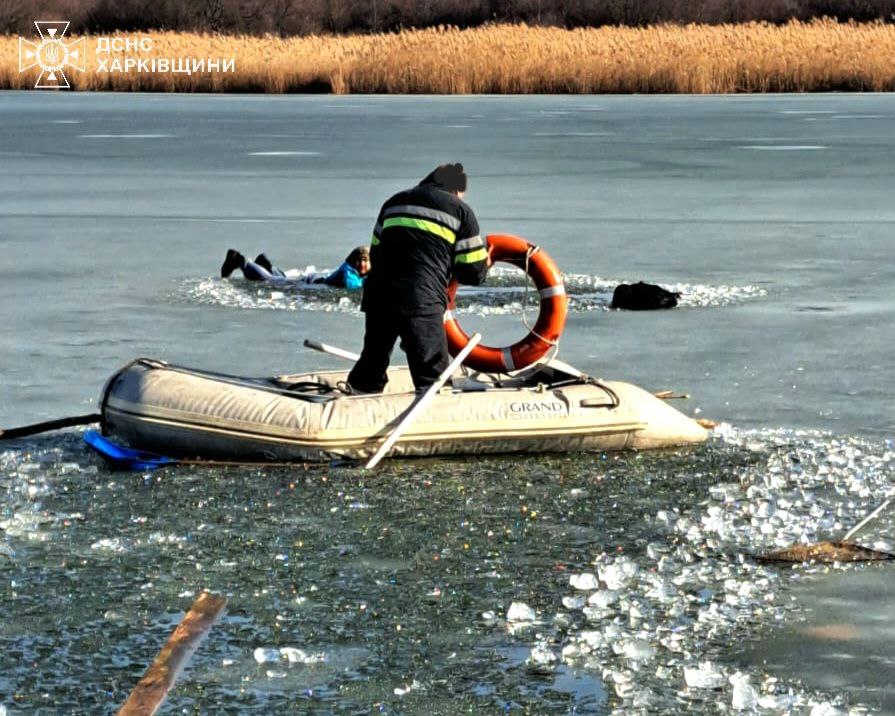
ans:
(551, 317)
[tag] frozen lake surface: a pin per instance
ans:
(772, 214)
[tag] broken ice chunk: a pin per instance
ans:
(520, 612)
(583, 582)
(704, 676)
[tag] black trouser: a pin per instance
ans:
(422, 339)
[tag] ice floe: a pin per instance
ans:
(658, 624)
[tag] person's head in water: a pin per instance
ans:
(359, 260)
(450, 177)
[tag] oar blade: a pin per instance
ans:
(125, 458)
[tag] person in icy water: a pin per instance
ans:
(423, 237)
(350, 274)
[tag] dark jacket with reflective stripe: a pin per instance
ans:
(422, 238)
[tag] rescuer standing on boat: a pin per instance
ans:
(423, 237)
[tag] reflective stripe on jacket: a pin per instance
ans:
(422, 238)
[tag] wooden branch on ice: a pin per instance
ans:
(151, 690)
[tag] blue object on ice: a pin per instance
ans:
(125, 458)
(346, 276)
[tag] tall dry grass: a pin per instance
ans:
(797, 57)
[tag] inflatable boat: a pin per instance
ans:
(508, 400)
(547, 407)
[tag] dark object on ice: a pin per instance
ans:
(825, 552)
(26, 430)
(642, 296)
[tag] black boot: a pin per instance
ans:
(234, 260)
(264, 262)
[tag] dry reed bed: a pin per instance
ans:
(797, 57)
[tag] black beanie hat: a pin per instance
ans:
(448, 176)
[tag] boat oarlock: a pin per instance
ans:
(546, 331)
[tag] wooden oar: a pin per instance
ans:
(833, 551)
(825, 553)
(423, 401)
(46, 426)
(151, 690)
(671, 395)
(331, 350)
